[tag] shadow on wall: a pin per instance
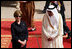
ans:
(39, 11)
(8, 3)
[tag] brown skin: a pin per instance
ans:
(50, 39)
(50, 13)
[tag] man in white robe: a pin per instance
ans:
(52, 29)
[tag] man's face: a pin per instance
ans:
(50, 13)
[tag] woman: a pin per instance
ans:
(19, 31)
(28, 10)
(52, 29)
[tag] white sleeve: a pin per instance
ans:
(60, 33)
(46, 33)
(61, 30)
(44, 30)
(54, 35)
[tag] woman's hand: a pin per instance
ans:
(23, 44)
(20, 41)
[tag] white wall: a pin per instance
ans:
(68, 9)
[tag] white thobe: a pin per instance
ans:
(55, 34)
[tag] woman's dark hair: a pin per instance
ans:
(17, 13)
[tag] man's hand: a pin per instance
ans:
(50, 39)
